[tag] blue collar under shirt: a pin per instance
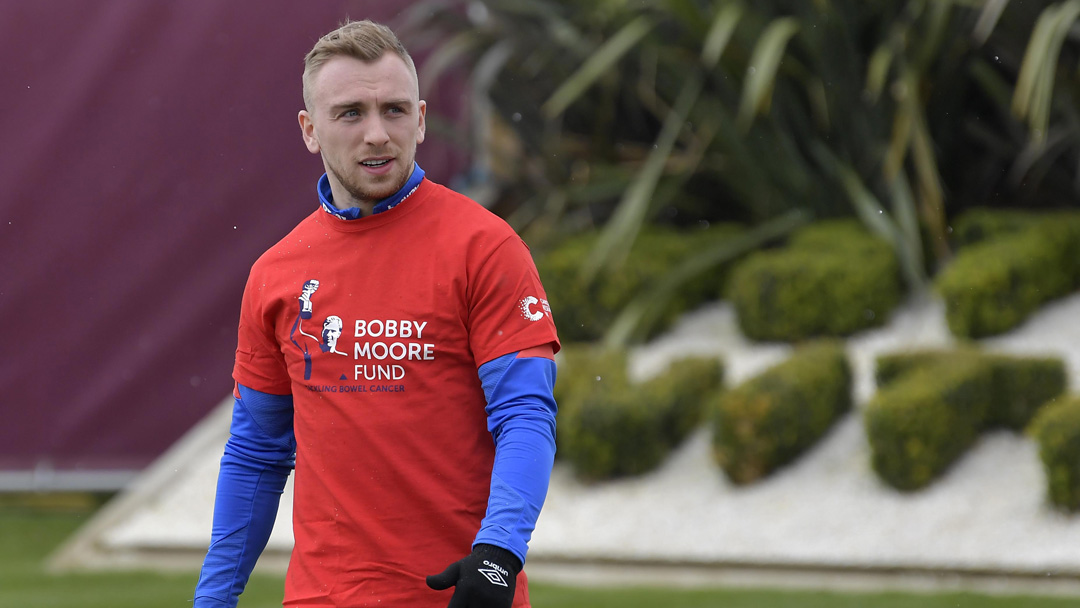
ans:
(326, 197)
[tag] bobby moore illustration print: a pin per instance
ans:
(307, 290)
(331, 332)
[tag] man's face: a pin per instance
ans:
(366, 120)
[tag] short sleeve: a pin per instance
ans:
(508, 308)
(260, 364)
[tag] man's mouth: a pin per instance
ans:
(375, 163)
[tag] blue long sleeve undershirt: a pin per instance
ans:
(261, 452)
(258, 457)
(521, 418)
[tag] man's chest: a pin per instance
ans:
(371, 323)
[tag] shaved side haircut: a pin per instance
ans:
(363, 40)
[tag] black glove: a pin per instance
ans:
(485, 578)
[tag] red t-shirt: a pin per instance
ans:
(377, 326)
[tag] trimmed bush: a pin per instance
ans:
(993, 286)
(921, 423)
(985, 224)
(1019, 385)
(1056, 429)
(1018, 261)
(889, 367)
(1022, 386)
(584, 312)
(771, 419)
(688, 384)
(843, 235)
(610, 427)
(833, 279)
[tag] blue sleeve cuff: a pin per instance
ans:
(258, 457)
(521, 417)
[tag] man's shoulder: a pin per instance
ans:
(288, 246)
(462, 211)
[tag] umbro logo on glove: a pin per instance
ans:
(483, 579)
(494, 574)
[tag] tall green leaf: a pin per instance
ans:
(877, 71)
(903, 237)
(596, 66)
(623, 227)
(909, 247)
(1035, 84)
(988, 19)
(931, 193)
(761, 73)
(720, 32)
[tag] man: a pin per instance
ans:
(424, 455)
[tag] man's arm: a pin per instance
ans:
(258, 457)
(521, 418)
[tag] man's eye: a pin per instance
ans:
(350, 114)
(396, 110)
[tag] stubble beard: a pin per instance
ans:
(369, 194)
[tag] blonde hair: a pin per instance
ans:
(364, 40)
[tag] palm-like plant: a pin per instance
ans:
(767, 112)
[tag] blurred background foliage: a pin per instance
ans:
(615, 114)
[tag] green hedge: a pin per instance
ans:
(1019, 385)
(984, 224)
(1018, 262)
(921, 423)
(610, 427)
(688, 383)
(774, 417)
(992, 287)
(832, 279)
(584, 312)
(1056, 429)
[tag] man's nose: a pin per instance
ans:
(376, 134)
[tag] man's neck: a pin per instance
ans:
(357, 209)
(344, 200)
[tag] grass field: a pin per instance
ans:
(31, 529)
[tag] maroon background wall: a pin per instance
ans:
(150, 152)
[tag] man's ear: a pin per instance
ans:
(423, 122)
(307, 129)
